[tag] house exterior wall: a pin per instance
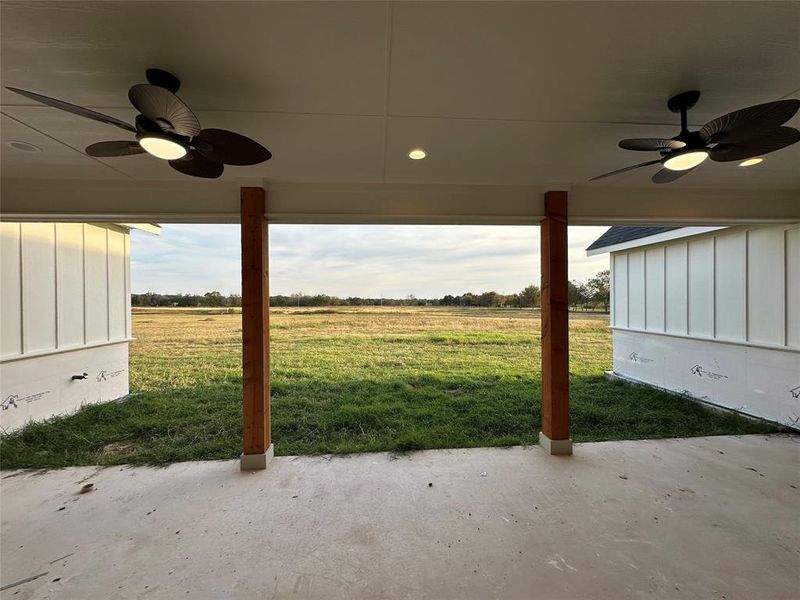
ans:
(716, 316)
(64, 311)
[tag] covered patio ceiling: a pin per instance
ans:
(508, 100)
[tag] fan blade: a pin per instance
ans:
(767, 142)
(163, 107)
(631, 168)
(668, 175)
(230, 148)
(197, 165)
(73, 108)
(650, 144)
(119, 148)
(748, 122)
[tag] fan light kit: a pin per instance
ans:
(165, 128)
(417, 154)
(742, 135)
(751, 162)
(686, 160)
(161, 146)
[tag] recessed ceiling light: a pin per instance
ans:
(23, 146)
(417, 154)
(750, 162)
(685, 160)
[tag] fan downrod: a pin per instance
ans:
(163, 79)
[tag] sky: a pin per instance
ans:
(371, 261)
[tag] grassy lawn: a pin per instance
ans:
(355, 380)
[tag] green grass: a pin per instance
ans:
(356, 380)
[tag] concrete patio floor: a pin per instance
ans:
(713, 518)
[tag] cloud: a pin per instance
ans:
(356, 260)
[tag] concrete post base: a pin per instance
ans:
(555, 446)
(257, 462)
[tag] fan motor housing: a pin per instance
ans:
(683, 101)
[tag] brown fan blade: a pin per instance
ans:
(650, 144)
(631, 168)
(668, 175)
(749, 122)
(118, 148)
(73, 108)
(767, 142)
(230, 148)
(197, 165)
(164, 108)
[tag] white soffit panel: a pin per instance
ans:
(340, 92)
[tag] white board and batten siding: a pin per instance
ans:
(715, 316)
(64, 311)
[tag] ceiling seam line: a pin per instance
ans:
(387, 84)
(399, 116)
(24, 124)
(792, 93)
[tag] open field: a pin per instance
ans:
(349, 379)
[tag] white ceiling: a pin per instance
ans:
(499, 94)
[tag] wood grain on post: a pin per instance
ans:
(555, 318)
(257, 432)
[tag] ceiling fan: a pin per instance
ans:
(166, 128)
(740, 135)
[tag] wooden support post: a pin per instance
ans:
(554, 436)
(257, 435)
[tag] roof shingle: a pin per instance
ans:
(619, 235)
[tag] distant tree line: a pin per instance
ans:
(185, 300)
(592, 295)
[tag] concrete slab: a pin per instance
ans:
(708, 518)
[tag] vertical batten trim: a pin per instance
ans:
(55, 282)
(611, 293)
(644, 281)
(686, 245)
(627, 289)
(743, 334)
(664, 287)
(85, 294)
(714, 287)
(784, 283)
(747, 285)
(125, 293)
(108, 289)
(22, 340)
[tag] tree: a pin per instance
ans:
(488, 299)
(577, 294)
(529, 297)
(599, 287)
(213, 299)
